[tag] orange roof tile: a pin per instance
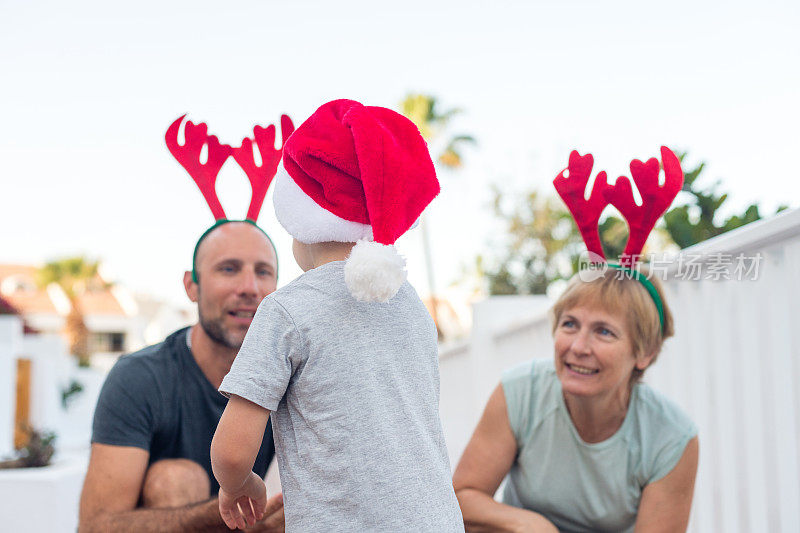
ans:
(100, 302)
(7, 270)
(28, 298)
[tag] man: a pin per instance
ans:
(150, 468)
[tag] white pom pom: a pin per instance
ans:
(374, 272)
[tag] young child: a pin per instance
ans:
(344, 357)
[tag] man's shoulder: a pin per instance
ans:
(150, 364)
(137, 393)
(158, 354)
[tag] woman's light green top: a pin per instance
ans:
(580, 486)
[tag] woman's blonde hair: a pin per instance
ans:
(618, 293)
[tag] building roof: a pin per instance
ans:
(18, 285)
(100, 302)
(7, 309)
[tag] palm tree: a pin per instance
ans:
(72, 275)
(423, 111)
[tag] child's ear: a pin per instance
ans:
(190, 286)
(301, 255)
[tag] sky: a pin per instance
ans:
(89, 88)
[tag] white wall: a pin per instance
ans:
(470, 370)
(45, 322)
(45, 500)
(48, 364)
(23, 491)
(52, 371)
(10, 339)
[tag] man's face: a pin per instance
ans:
(236, 268)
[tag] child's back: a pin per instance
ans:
(354, 392)
(345, 357)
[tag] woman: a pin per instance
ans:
(585, 445)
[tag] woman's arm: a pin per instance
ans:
(487, 459)
(233, 453)
(666, 504)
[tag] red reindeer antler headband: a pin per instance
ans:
(571, 186)
(205, 174)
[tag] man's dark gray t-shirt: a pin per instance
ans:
(158, 399)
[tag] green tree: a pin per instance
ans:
(74, 275)
(424, 111)
(538, 244)
(698, 219)
(541, 243)
(433, 123)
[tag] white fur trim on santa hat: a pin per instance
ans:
(374, 272)
(307, 221)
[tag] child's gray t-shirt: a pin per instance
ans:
(353, 390)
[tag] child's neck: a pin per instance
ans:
(328, 252)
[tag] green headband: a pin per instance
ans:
(651, 289)
(222, 222)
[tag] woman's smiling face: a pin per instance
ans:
(593, 352)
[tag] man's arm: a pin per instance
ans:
(125, 418)
(112, 489)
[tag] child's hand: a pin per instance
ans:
(245, 506)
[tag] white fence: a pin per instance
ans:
(732, 366)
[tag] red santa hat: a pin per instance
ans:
(355, 173)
